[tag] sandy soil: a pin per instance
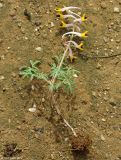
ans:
(95, 107)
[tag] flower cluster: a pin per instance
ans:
(71, 20)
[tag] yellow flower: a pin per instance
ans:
(58, 9)
(72, 58)
(63, 24)
(80, 46)
(84, 18)
(60, 15)
(84, 34)
(81, 35)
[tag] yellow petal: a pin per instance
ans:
(63, 24)
(84, 34)
(84, 18)
(72, 58)
(80, 46)
(58, 9)
(60, 15)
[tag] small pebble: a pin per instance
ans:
(12, 13)
(75, 76)
(66, 139)
(37, 22)
(1, 5)
(98, 66)
(102, 138)
(32, 110)
(94, 94)
(39, 49)
(104, 120)
(13, 75)
(43, 100)
(37, 136)
(103, 5)
(2, 77)
(18, 127)
(33, 87)
(105, 39)
(52, 24)
(112, 102)
(116, 10)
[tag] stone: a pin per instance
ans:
(2, 77)
(37, 22)
(103, 5)
(112, 102)
(52, 24)
(98, 66)
(12, 13)
(43, 100)
(116, 10)
(39, 49)
(32, 110)
(13, 75)
(103, 119)
(102, 138)
(94, 94)
(105, 39)
(75, 75)
(1, 5)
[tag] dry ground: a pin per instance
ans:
(95, 107)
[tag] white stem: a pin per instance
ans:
(59, 113)
(70, 51)
(78, 20)
(73, 13)
(69, 25)
(70, 7)
(72, 33)
(70, 127)
(54, 78)
(74, 43)
(69, 16)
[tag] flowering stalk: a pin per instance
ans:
(76, 19)
(81, 35)
(79, 46)
(53, 81)
(62, 16)
(68, 51)
(71, 56)
(68, 26)
(81, 19)
(64, 25)
(66, 9)
(73, 13)
(64, 55)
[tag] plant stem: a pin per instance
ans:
(53, 81)
(59, 113)
(61, 63)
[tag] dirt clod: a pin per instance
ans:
(11, 150)
(81, 143)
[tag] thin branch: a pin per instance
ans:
(59, 113)
(109, 56)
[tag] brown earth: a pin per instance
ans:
(94, 109)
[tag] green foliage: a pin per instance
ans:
(33, 72)
(64, 77)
